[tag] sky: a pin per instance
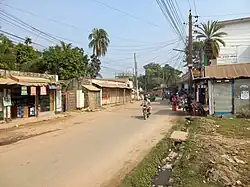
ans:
(134, 26)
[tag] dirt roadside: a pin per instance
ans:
(51, 124)
(135, 156)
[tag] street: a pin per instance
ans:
(89, 151)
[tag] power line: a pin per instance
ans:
(13, 35)
(72, 26)
(19, 21)
(135, 46)
(190, 7)
(124, 12)
(24, 28)
(169, 11)
(178, 7)
(195, 7)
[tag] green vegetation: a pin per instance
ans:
(143, 174)
(217, 153)
(63, 59)
(155, 75)
(212, 35)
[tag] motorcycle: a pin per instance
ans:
(145, 112)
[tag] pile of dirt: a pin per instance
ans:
(216, 156)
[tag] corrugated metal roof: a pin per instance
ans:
(110, 84)
(91, 88)
(7, 81)
(228, 71)
(233, 21)
(30, 79)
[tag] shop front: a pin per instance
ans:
(23, 100)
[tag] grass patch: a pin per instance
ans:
(143, 174)
(213, 154)
(237, 128)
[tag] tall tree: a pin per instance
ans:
(65, 61)
(26, 55)
(155, 75)
(7, 53)
(212, 35)
(99, 42)
(28, 41)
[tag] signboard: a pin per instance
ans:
(197, 73)
(7, 98)
(32, 90)
(43, 90)
(59, 101)
(24, 90)
(244, 95)
(52, 87)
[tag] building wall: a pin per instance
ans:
(71, 100)
(237, 44)
(241, 86)
(115, 95)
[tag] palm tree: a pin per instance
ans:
(99, 42)
(212, 35)
(64, 46)
(27, 41)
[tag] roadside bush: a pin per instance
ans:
(244, 112)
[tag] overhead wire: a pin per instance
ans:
(73, 26)
(175, 14)
(190, 7)
(169, 11)
(178, 7)
(24, 24)
(21, 38)
(25, 29)
(124, 13)
(195, 9)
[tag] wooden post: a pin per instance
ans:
(124, 95)
(36, 102)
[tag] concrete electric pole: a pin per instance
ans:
(136, 77)
(190, 50)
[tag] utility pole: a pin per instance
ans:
(190, 50)
(136, 77)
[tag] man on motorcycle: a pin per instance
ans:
(146, 102)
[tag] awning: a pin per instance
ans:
(110, 84)
(7, 81)
(91, 88)
(30, 79)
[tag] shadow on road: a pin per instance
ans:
(170, 112)
(138, 117)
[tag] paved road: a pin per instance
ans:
(90, 151)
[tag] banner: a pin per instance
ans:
(32, 90)
(24, 90)
(43, 90)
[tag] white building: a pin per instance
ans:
(237, 41)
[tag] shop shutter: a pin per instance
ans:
(223, 97)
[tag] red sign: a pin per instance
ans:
(32, 90)
(43, 90)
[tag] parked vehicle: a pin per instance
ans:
(145, 112)
(152, 97)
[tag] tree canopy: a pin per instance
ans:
(212, 35)
(99, 42)
(155, 75)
